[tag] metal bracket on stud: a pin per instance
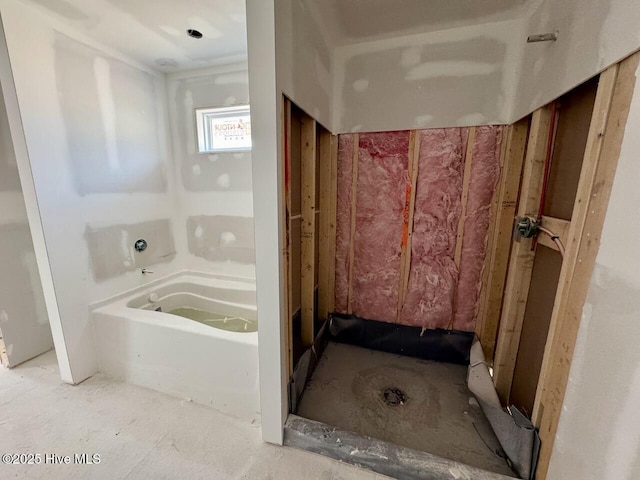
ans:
(543, 37)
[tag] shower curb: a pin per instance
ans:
(381, 457)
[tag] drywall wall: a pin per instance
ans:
(24, 324)
(429, 66)
(213, 191)
(353, 22)
(267, 168)
(474, 74)
(304, 58)
(456, 77)
(598, 435)
(14, 122)
(593, 34)
(97, 140)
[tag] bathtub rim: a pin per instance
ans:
(161, 280)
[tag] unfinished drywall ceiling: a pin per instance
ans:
(153, 32)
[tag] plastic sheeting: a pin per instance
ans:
(516, 434)
(439, 294)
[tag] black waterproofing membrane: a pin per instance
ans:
(515, 432)
(449, 346)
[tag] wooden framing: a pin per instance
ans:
(287, 240)
(410, 203)
(354, 195)
(499, 242)
(491, 233)
(466, 180)
(521, 260)
(308, 230)
(556, 225)
(327, 231)
(608, 123)
(333, 222)
(309, 204)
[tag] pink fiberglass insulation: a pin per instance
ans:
(485, 172)
(383, 162)
(433, 273)
(343, 221)
(439, 295)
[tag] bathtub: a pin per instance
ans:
(179, 356)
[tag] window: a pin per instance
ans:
(224, 129)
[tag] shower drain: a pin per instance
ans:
(394, 397)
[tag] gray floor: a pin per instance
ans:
(440, 415)
(139, 434)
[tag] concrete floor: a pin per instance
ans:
(138, 433)
(440, 415)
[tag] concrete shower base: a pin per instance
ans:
(440, 415)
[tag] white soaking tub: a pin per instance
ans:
(213, 363)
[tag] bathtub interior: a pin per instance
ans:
(230, 309)
(214, 313)
(236, 293)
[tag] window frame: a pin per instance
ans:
(204, 116)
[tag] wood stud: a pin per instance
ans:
(466, 181)
(410, 197)
(499, 242)
(327, 227)
(308, 229)
(604, 141)
(333, 206)
(317, 220)
(354, 196)
(522, 256)
(287, 238)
